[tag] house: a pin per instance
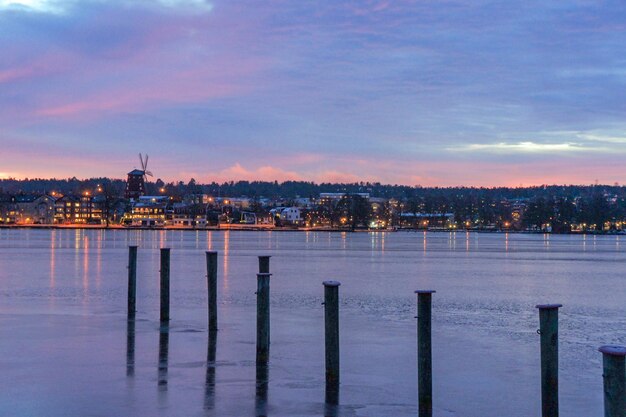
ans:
(286, 216)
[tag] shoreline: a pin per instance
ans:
(268, 228)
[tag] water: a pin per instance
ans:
(67, 350)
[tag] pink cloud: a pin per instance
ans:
(237, 172)
(15, 74)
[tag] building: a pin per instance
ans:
(328, 199)
(148, 211)
(27, 209)
(66, 209)
(286, 216)
(135, 185)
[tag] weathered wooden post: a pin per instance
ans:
(549, 331)
(165, 284)
(424, 353)
(263, 318)
(264, 268)
(264, 264)
(614, 374)
(331, 400)
(132, 282)
(211, 269)
(260, 395)
(331, 324)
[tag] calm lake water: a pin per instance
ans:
(66, 348)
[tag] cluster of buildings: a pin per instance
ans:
(50, 209)
(326, 210)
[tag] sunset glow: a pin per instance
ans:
(453, 93)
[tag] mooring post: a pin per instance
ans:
(264, 264)
(132, 282)
(263, 318)
(262, 382)
(211, 269)
(331, 324)
(614, 380)
(264, 268)
(165, 285)
(549, 331)
(424, 353)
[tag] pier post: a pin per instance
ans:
(211, 269)
(264, 268)
(331, 324)
(549, 331)
(424, 353)
(264, 264)
(165, 284)
(614, 380)
(260, 395)
(263, 318)
(132, 282)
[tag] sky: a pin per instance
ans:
(415, 92)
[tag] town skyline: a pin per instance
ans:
(456, 93)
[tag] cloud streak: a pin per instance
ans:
(403, 91)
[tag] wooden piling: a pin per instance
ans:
(263, 318)
(264, 264)
(165, 284)
(614, 380)
(260, 395)
(264, 268)
(211, 267)
(424, 353)
(331, 325)
(132, 282)
(549, 331)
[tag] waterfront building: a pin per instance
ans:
(286, 216)
(148, 211)
(66, 209)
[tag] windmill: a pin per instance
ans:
(144, 167)
(137, 179)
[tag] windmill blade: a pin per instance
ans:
(146, 165)
(149, 173)
(143, 167)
